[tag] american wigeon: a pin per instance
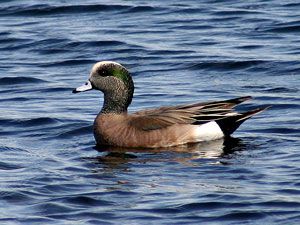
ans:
(159, 127)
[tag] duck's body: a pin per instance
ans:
(113, 129)
(160, 127)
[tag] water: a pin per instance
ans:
(183, 51)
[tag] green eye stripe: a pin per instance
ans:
(121, 73)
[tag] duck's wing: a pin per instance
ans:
(197, 113)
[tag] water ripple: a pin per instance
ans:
(19, 80)
(177, 52)
(227, 65)
(44, 9)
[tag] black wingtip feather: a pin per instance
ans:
(240, 99)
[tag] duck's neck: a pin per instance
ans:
(117, 102)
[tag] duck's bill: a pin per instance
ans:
(86, 87)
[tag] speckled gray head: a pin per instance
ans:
(102, 74)
(113, 80)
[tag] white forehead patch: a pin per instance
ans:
(99, 64)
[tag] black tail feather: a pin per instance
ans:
(229, 124)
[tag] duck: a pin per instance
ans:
(160, 127)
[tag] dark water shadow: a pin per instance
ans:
(114, 157)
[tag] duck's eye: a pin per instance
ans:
(103, 73)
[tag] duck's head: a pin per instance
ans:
(114, 81)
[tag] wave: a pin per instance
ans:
(39, 121)
(57, 89)
(249, 47)
(280, 130)
(45, 9)
(67, 43)
(20, 80)
(9, 166)
(28, 122)
(225, 65)
(8, 40)
(142, 9)
(75, 132)
(86, 200)
(237, 216)
(69, 62)
(16, 99)
(60, 46)
(236, 12)
(281, 90)
(287, 27)
(95, 43)
(191, 27)
(294, 4)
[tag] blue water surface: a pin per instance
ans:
(177, 51)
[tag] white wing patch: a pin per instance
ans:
(208, 132)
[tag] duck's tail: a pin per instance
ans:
(229, 124)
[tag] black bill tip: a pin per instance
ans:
(75, 91)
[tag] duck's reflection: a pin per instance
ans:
(113, 157)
